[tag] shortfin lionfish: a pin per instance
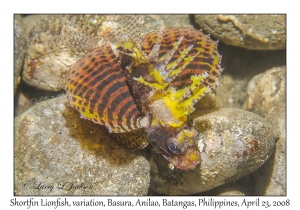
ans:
(143, 89)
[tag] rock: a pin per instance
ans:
(259, 32)
(232, 143)
(54, 147)
(19, 49)
(266, 91)
(176, 20)
(48, 73)
(267, 97)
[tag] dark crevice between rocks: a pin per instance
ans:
(244, 64)
(193, 22)
(245, 185)
(27, 95)
(263, 175)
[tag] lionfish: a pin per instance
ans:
(144, 91)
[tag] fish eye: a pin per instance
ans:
(174, 148)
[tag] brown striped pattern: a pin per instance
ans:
(97, 88)
(207, 61)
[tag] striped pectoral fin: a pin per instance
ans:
(82, 105)
(99, 91)
(125, 127)
(126, 121)
(114, 108)
(135, 136)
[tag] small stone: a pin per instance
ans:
(267, 91)
(19, 49)
(257, 32)
(232, 142)
(55, 150)
(267, 97)
(48, 73)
